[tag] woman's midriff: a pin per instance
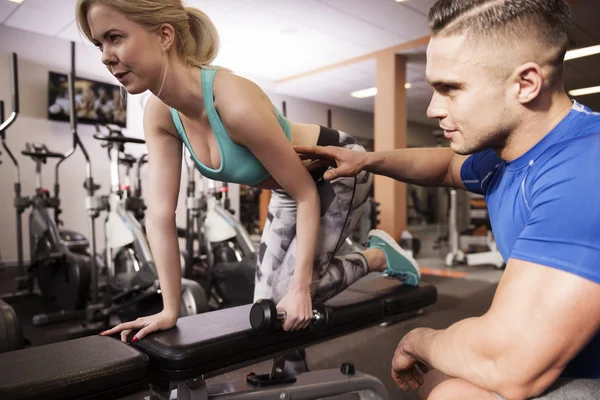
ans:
(302, 135)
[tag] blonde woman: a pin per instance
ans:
(235, 134)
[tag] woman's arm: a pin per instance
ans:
(164, 175)
(248, 115)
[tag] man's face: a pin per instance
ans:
(470, 97)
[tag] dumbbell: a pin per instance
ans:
(265, 318)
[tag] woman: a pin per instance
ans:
(235, 134)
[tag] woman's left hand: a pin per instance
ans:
(297, 304)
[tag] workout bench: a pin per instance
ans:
(207, 345)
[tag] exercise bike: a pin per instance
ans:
(128, 258)
(62, 275)
(60, 268)
(144, 297)
(219, 252)
(133, 194)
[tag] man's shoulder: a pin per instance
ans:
(577, 151)
(570, 167)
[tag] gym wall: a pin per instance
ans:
(39, 54)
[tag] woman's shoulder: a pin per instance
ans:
(157, 116)
(235, 91)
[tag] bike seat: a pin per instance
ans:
(118, 139)
(115, 135)
(40, 151)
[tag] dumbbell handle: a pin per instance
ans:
(262, 310)
(282, 316)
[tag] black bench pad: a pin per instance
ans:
(11, 336)
(218, 341)
(95, 366)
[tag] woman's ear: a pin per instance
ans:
(166, 34)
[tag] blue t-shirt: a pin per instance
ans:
(544, 207)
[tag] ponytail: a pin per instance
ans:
(203, 47)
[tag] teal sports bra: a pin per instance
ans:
(238, 164)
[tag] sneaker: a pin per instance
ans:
(401, 265)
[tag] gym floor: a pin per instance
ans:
(462, 292)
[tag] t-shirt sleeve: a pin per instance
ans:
(477, 169)
(563, 229)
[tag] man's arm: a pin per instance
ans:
(423, 167)
(539, 320)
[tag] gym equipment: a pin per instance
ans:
(11, 336)
(20, 203)
(142, 296)
(457, 241)
(207, 345)
(133, 193)
(1, 121)
(264, 317)
(249, 205)
(218, 249)
(455, 255)
(128, 257)
(62, 275)
(92, 206)
(95, 366)
(127, 254)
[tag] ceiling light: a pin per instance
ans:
(16, 1)
(361, 94)
(370, 92)
(583, 92)
(583, 52)
(398, 1)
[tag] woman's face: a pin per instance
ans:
(130, 52)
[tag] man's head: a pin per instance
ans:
(491, 60)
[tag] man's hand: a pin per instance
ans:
(404, 368)
(297, 305)
(344, 162)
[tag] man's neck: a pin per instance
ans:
(537, 122)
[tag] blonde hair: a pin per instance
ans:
(197, 38)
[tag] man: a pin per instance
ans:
(496, 68)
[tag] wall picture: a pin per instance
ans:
(96, 102)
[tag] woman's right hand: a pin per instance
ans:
(146, 325)
(345, 162)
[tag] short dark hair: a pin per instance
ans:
(506, 21)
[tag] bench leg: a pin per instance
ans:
(308, 386)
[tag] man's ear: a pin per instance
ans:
(530, 81)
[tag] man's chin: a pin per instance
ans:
(461, 149)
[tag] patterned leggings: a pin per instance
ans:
(341, 209)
